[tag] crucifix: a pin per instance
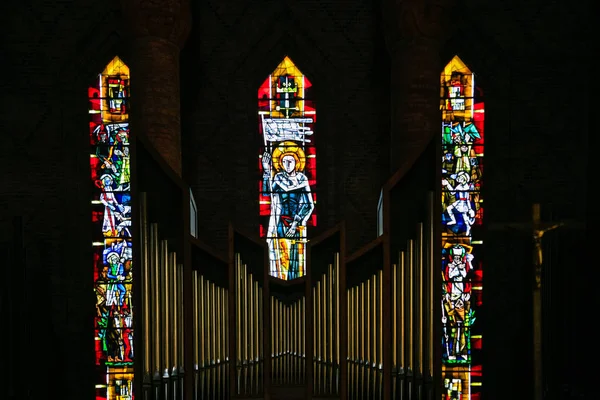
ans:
(538, 229)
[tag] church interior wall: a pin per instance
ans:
(536, 152)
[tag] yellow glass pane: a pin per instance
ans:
(458, 79)
(287, 67)
(116, 67)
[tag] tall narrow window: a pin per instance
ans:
(380, 214)
(287, 161)
(193, 216)
(462, 205)
(111, 217)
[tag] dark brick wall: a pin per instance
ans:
(528, 56)
(519, 55)
(233, 47)
(51, 51)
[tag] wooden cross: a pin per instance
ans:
(537, 229)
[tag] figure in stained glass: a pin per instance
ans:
(448, 165)
(115, 291)
(460, 214)
(117, 215)
(102, 308)
(456, 311)
(287, 163)
(291, 206)
(124, 166)
(112, 150)
(461, 207)
(127, 335)
(113, 262)
(104, 150)
(448, 175)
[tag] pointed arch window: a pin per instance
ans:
(462, 217)
(111, 219)
(287, 160)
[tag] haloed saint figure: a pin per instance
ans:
(291, 207)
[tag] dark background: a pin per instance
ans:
(530, 59)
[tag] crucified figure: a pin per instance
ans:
(538, 252)
(537, 241)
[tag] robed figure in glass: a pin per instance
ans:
(287, 163)
(291, 207)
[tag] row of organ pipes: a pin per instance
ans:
(162, 312)
(412, 323)
(326, 330)
(249, 333)
(365, 338)
(210, 322)
(210, 344)
(288, 341)
(412, 308)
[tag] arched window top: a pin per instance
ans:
(116, 67)
(456, 74)
(109, 96)
(456, 65)
(457, 91)
(287, 78)
(287, 67)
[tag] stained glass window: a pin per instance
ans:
(287, 161)
(111, 218)
(462, 216)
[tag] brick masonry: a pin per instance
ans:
(528, 58)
